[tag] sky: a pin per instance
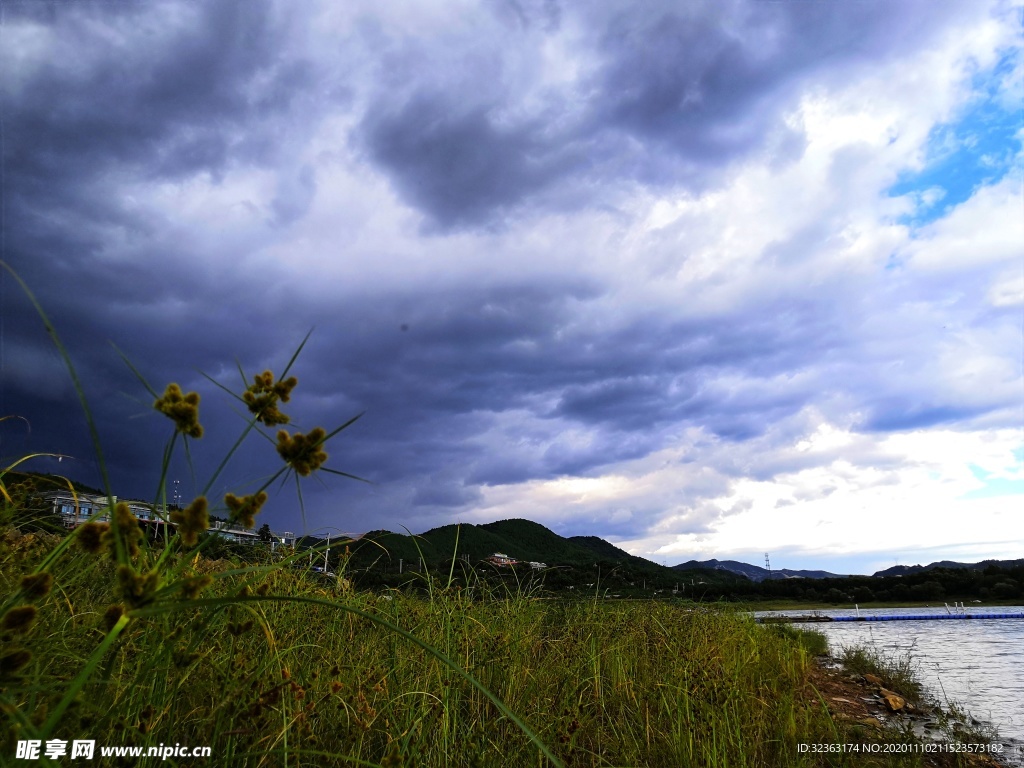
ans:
(704, 279)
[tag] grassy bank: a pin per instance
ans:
(275, 667)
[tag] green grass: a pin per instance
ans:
(813, 642)
(279, 668)
(898, 672)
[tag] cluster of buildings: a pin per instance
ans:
(502, 560)
(73, 509)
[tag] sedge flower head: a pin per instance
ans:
(191, 588)
(182, 409)
(244, 509)
(303, 453)
(263, 395)
(124, 528)
(136, 588)
(19, 619)
(240, 628)
(37, 585)
(192, 521)
(91, 536)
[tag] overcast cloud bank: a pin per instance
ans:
(711, 282)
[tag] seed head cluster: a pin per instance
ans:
(182, 409)
(263, 394)
(191, 588)
(237, 628)
(244, 509)
(91, 536)
(136, 588)
(192, 521)
(124, 528)
(37, 585)
(19, 619)
(303, 453)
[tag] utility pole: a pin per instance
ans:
(767, 565)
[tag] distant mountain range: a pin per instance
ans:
(903, 570)
(527, 541)
(756, 573)
(753, 572)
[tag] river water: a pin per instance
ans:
(979, 665)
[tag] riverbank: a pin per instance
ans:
(866, 703)
(972, 668)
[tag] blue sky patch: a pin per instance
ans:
(975, 151)
(994, 486)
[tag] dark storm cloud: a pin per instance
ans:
(677, 95)
(171, 101)
(165, 345)
(466, 383)
(464, 352)
(137, 94)
(690, 82)
(170, 92)
(445, 493)
(457, 163)
(712, 80)
(434, 393)
(431, 393)
(662, 372)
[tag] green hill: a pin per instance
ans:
(474, 541)
(385, 548)
(532, 541)
(582, 562)
(601, 548)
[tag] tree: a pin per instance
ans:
(264, 534)
(929, 590)
(863, 595)
(1006, 589)
(835, 596)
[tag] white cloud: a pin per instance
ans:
(901, 492)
